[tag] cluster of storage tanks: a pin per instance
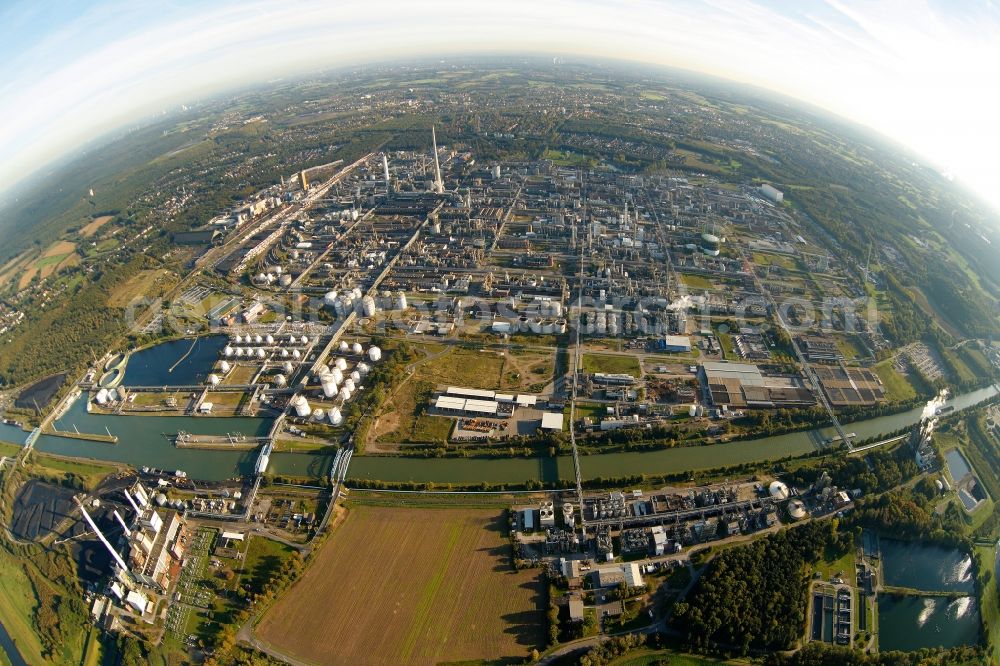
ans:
(540, 325)
(262, 347)
(105, 396)
(337, 384)
(344, 303)
(271, 275)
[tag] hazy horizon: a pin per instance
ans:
(917, 73)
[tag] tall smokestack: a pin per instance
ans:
(131, 501)
(100, 535)
(385, 168)
(438, 183)
(121, 521)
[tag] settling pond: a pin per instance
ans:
(910, 622)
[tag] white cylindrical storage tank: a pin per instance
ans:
(269, 339)
(349, 384)
(225, 366)
(356, 293)
(296, 354)
(344, 346)
(375, 354)
(356, 348)
(284, 353)
(329, 386)
(318, 414)
(336, 418)
(258, 339)
(228, 351)
(240, 351)
(301, 406)
(305, 340)
(345, 394)
(213, 380)
(693, 410)
(280, 381)
(340, 364)
(337, 374)
(400, 300)
(292, 340)
(330, 299)
(323, 369)
(102, 397)
(160, 499)
(363, 369)
(355, 377)
(239, 339)
(261, 353)
(368, 306)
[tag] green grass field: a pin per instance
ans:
(654, 657)
(989, 603)
(17, 603)
(611, 364)
(897, 387)
(696, 281)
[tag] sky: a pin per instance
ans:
(924, 73)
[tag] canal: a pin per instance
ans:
(143, 441)
(8, 648)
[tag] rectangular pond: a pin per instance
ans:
(926, 567)
(914, 622)
(958, 466)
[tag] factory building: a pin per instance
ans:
(675, 343)
(742, 385)
(769, 191)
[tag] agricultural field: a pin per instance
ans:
(150, 284)
(424, 585)
(612, 364)
(91, 228)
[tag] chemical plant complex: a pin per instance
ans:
(608, 375)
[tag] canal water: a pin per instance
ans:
(910, 623)
(182, 362)
(8, 648)
(142, 442)
(926, 567)
(148, 440)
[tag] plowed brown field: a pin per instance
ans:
(410, 586)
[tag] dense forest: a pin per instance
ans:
(753, 597)
(876, 472)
